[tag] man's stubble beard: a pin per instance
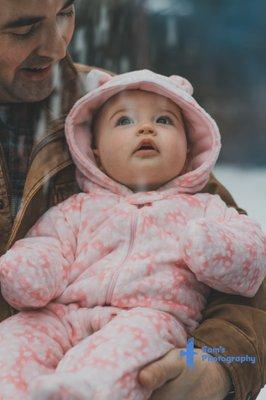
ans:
(25, 92)
(34, 92)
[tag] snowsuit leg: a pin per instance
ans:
(105, 365)
(33, 342)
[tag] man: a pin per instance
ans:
(38, 86)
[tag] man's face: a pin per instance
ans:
(34, 35)
(140, 139)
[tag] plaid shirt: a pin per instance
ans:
(17, 144)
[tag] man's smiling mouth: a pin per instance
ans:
(38, 72)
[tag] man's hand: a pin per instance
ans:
(175, 381)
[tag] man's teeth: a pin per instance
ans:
(38, 68)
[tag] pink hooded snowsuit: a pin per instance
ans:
(120, 278)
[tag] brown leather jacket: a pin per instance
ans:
(236, 323)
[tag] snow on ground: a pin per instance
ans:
(248, 187)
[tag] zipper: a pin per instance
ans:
(5, 174)
(21, 212)
(43, 143)
(114, 279)
(6, 197)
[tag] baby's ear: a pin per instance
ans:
(182, 83)
(96, 78)
(98, 159)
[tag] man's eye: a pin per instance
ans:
(68, 12)
(24, 30)
(163, 119)
(125, 121)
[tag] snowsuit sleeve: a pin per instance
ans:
(36, 269)
(225, 250)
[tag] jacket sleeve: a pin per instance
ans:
(36, 269)
(238, 324)
(225, 250)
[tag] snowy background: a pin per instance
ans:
(248, 187)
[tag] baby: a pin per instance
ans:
(117, 275)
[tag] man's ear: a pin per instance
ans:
(98, 159)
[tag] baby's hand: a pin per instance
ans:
(227, 256)
(28, 273)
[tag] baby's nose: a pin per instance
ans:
(146, 129)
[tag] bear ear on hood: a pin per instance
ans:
(96, 78)
(182, 83)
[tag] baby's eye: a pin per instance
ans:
(164, 119)
(125, 121)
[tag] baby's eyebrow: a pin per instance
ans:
(118, 112)
(178, 117)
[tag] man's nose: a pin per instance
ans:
(146, 129)
(53, 44)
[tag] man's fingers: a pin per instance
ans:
(157, 373)
(169, 391)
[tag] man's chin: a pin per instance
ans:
(34, 98)
(20, 95)
(34, 94)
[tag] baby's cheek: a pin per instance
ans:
(113, 162)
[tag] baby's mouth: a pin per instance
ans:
(146, 146)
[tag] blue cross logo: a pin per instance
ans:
(189, 353)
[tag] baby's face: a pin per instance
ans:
(140, 140)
